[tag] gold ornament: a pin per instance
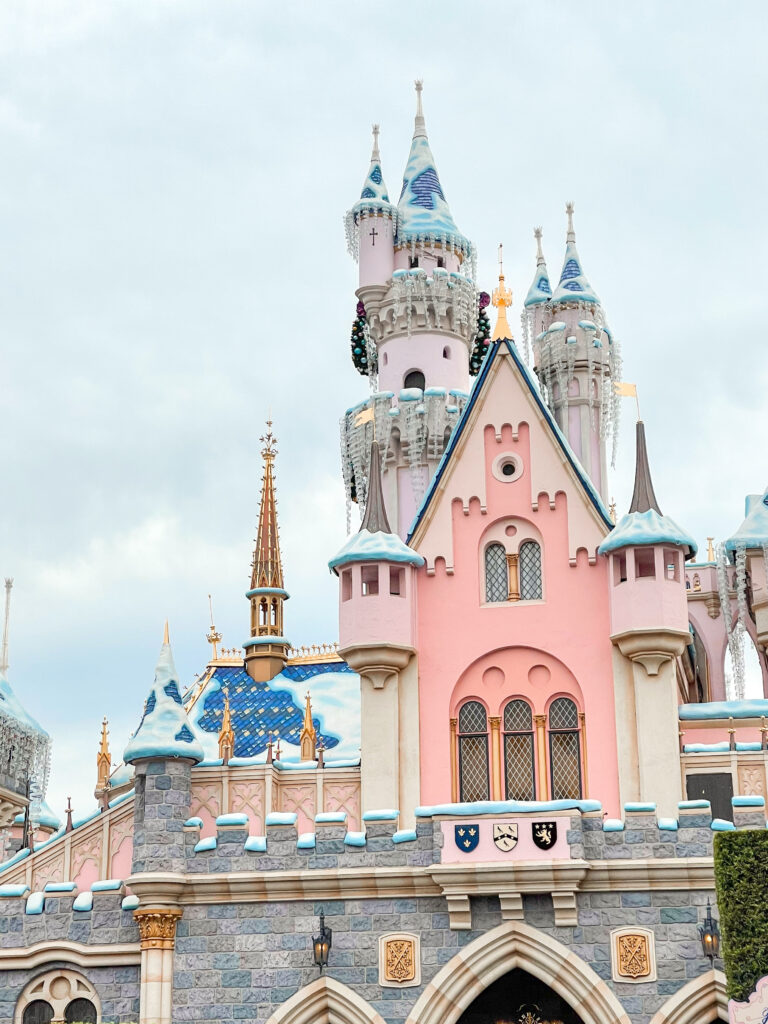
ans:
(399, 960)
(157, 928)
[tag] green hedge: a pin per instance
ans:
(741, 879)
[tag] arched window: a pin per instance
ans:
(564, 750)
(414, 379)
(80, 1011)
(519, 771)
(530, 571)
(473, 752)
(496, 573)
(38, 1012)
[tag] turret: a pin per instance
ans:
(266, 649)
(748, 550)
(538, 297)
(377, 638)
(649, 630)
(103, 763)
(576, 358)
(414, 329)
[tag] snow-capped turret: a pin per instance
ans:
(539, 294)
(370, 225)
(423, 215)
(576, 359)
(649, 628)
(747, 548)
(164, 730)
(26, 750)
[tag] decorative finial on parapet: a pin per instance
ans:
(214, 637)
(612, 511)
(69, 826)
(537, 233)
(375, 155)
(710, 549)
(308, 737)
(103, 759)
(226, 733)
(166, 635)
(501, 299)
(571, 236)
(420, 125)
(269, 747)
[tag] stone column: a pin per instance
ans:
(161, 806)
(157, 932)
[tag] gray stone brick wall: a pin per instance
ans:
(160, 809)
(118, 989)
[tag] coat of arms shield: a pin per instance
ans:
(467, 837)
(505, 836)
(544, 834)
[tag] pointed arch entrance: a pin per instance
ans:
(701, 1001)
(325, 1001)
(510, 946)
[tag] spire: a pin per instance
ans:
(643, 497)
(422, 212)
(308, 737)
(6, 620)
(502, 297)
(375, 518)
(226, 733)
(213, 637)
(374, 192)
(267, 566)
(103, 759)
(69, 826)
(573, 285)
(540, 290)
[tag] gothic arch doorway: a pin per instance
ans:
(519, 998)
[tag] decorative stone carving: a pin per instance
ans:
(633, 955)
(399, 960)
(157, 927)
(751, 780)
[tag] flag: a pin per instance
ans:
(624, 389)
(366, 416)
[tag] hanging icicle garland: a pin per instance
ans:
(735, 632)
(26, 759)
(482, 334)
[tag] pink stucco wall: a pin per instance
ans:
(376, 251)
(376, 618)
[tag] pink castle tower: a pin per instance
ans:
(575, 357)
(415, 327)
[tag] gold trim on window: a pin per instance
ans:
(513, 577)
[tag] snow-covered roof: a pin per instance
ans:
(639, 528)
(753, 532)
(278, 707)
(10, 707)
(374, 196)
(754, 708)
(422, 211)
(573, 285)
(46, 818)
(164, 730)
(379, 546)
(540, 290)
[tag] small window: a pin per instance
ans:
(80, 1011)
(370, 580)
(413, 262)
(38, 1012)
(384, 358)
(619, 568)
(496, 574)
(414, 379)
(396, 581)
(441, 261)
(474, 780)
(645, 563)
(530, 571)
(447, 352)
(519, 767)
(346, 585)
(672, 567)
(564, 750)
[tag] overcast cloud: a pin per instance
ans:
(172, 266)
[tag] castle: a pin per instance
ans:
(495, 798)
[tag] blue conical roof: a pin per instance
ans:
(422, 211)
(753, 532)
(374, 197)
(573, 285)
(164, 730)
(540, 290)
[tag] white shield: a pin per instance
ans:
(505, 836)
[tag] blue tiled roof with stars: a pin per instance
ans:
(278, 707)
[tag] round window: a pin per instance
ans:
(507, 467)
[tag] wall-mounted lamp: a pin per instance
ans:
(322, 944)
(709, 933)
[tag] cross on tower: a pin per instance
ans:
(373, 232)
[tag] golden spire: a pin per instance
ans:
(213, 638)
(502, 297)
(226, 733)
(103, 759)
(267, 566)
(166, 637)
(308, 737)
(710, 549)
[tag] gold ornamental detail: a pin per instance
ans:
(157, 928)
(633, 956)
(400, 960)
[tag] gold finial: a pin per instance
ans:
(103, 759)
(612, 510)
(571, 236)
(166, 637)
(710, 549)
(226, 733)
(269, 451)
(308, 737)
(501, 298)
(213, 638)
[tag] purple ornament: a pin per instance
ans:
(484, 300)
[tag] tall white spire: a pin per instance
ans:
(419, 125)
(571, 236)
(6, 620)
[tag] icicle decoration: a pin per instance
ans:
(432, 300)
(372, 356)
(26, 758)
(346, 472)
(353, 217)
(735, 633)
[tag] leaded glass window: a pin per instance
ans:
(473, 752)
(81, 1011)
(519, 751)
(530, 571)
(38, 1012)
(564, 750)
(496, 575)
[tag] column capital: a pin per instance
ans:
(157, 926)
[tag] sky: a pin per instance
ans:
(173, 270)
